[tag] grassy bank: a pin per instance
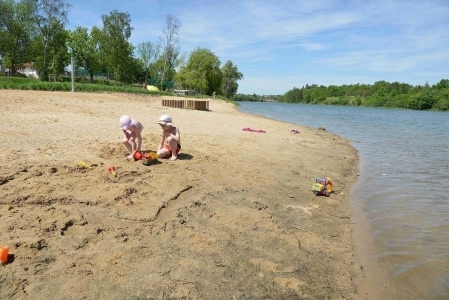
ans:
(17, 83)
(20, 83)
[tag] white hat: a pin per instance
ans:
(165, 120)
(125, 122)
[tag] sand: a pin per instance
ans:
(233, 218)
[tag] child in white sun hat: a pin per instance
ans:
(170, 143)
(132, 130)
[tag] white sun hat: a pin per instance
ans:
(125, 122)
(165, 120)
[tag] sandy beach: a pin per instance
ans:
(233, 218)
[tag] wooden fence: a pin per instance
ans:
(188, 104)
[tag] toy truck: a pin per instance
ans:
(322, 187)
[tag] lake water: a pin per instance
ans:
(401, 198)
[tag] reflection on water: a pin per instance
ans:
(402, 190)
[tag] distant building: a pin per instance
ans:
(27, 69)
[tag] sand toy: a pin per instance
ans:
(84, 165)
(112, 170)
(4, 254)
(322, 187)
(146, 157)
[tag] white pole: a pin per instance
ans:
(73, 76)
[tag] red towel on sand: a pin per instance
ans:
(253, 130)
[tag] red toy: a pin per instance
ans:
(137, 155)
(112, 170)
(4, 251)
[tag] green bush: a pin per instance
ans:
(424, 100)
(398, 101)
(357, 101)
(334, 101)
(442, 104)
(62, 84)
(33, 84)
(441, 99)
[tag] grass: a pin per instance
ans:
(17, 80)
(19, 83)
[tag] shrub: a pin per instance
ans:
(424, 100)
(442, 99)
(442, 104)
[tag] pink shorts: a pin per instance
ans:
(170, 149)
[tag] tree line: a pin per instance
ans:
(255, 98)
(34, 31)
(380, 94)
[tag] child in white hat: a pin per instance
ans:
(170, 144)
(132, 137)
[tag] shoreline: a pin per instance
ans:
(233, 217)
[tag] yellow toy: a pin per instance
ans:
(84, 165)
(322, 187)
(149, 157)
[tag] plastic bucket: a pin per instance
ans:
(4, 254)
(138, 155)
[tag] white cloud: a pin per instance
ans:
(312, 46)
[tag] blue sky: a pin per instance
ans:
(278, 45)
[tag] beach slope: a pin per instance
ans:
(233, 218)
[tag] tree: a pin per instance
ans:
(50, 47)
(148, 54)
(442, 84)
(424, 100)
(231, 75)
(114, 46)
(84, 47)
(56, 57)
(16, 32)
(293, 96)
(202, 72)
(170, 44)
(442, 98)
